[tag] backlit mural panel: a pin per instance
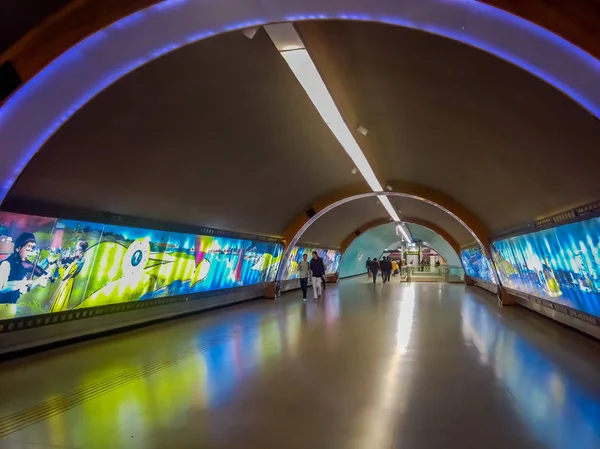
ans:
(331, 259)
(476, 265)
(50, 265)
(561, 264)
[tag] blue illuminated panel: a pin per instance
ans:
(51, 265)
(476, 264)
(330, 257)
(561, 264)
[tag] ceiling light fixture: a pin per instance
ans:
(291, 47)
(250, 32)
(400, 227)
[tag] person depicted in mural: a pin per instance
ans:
(551, 284)
(68, 269)
(17, 271)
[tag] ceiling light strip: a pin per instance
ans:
(291, 47)
(307, 74)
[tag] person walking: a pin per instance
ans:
(303, 275)
(394, 268)
(374, 267)
(386, 268)
(368, 265)
(317, 268)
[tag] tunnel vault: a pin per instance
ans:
(71, 56)
(470, 221)
(372, 224)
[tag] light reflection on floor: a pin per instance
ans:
(559, 410)
(350, 367)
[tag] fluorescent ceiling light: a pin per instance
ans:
(390, 209)
(291, 47)
(305, 70)
(385, 201)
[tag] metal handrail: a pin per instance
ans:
(448, 272)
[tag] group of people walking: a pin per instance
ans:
(314, 269)
(386, 265)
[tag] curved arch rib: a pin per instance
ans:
(345, 244)
(404, 189)
(571, 19)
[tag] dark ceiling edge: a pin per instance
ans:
(302, 243)
(39, 208)
(568, 19)
(574, 215)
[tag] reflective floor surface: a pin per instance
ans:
(418, 366)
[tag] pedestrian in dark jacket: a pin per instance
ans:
(374, 269)
(317, 268)
(386, 269)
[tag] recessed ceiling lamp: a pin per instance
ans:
(250, 32)
(400, 230)
(291, 47)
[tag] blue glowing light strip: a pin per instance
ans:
(76, 54)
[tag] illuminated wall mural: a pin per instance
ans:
(476, 265)
(560, 264)
(330, 257)
(51, 265)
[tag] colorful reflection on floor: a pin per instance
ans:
(557, 408)
(197, 393)
(201, 382)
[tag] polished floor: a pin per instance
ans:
(422, 366)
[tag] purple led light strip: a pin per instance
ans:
(20, 140)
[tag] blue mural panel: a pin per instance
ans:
(50, 265)
(476, 264)
(331, 259)
(561, 264)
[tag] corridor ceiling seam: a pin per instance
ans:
(63, 87)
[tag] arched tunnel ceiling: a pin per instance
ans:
(220, 134)
(335, 225)
(502, 142)
(435, 241)
(373, 242)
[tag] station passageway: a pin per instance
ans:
(388, 366)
